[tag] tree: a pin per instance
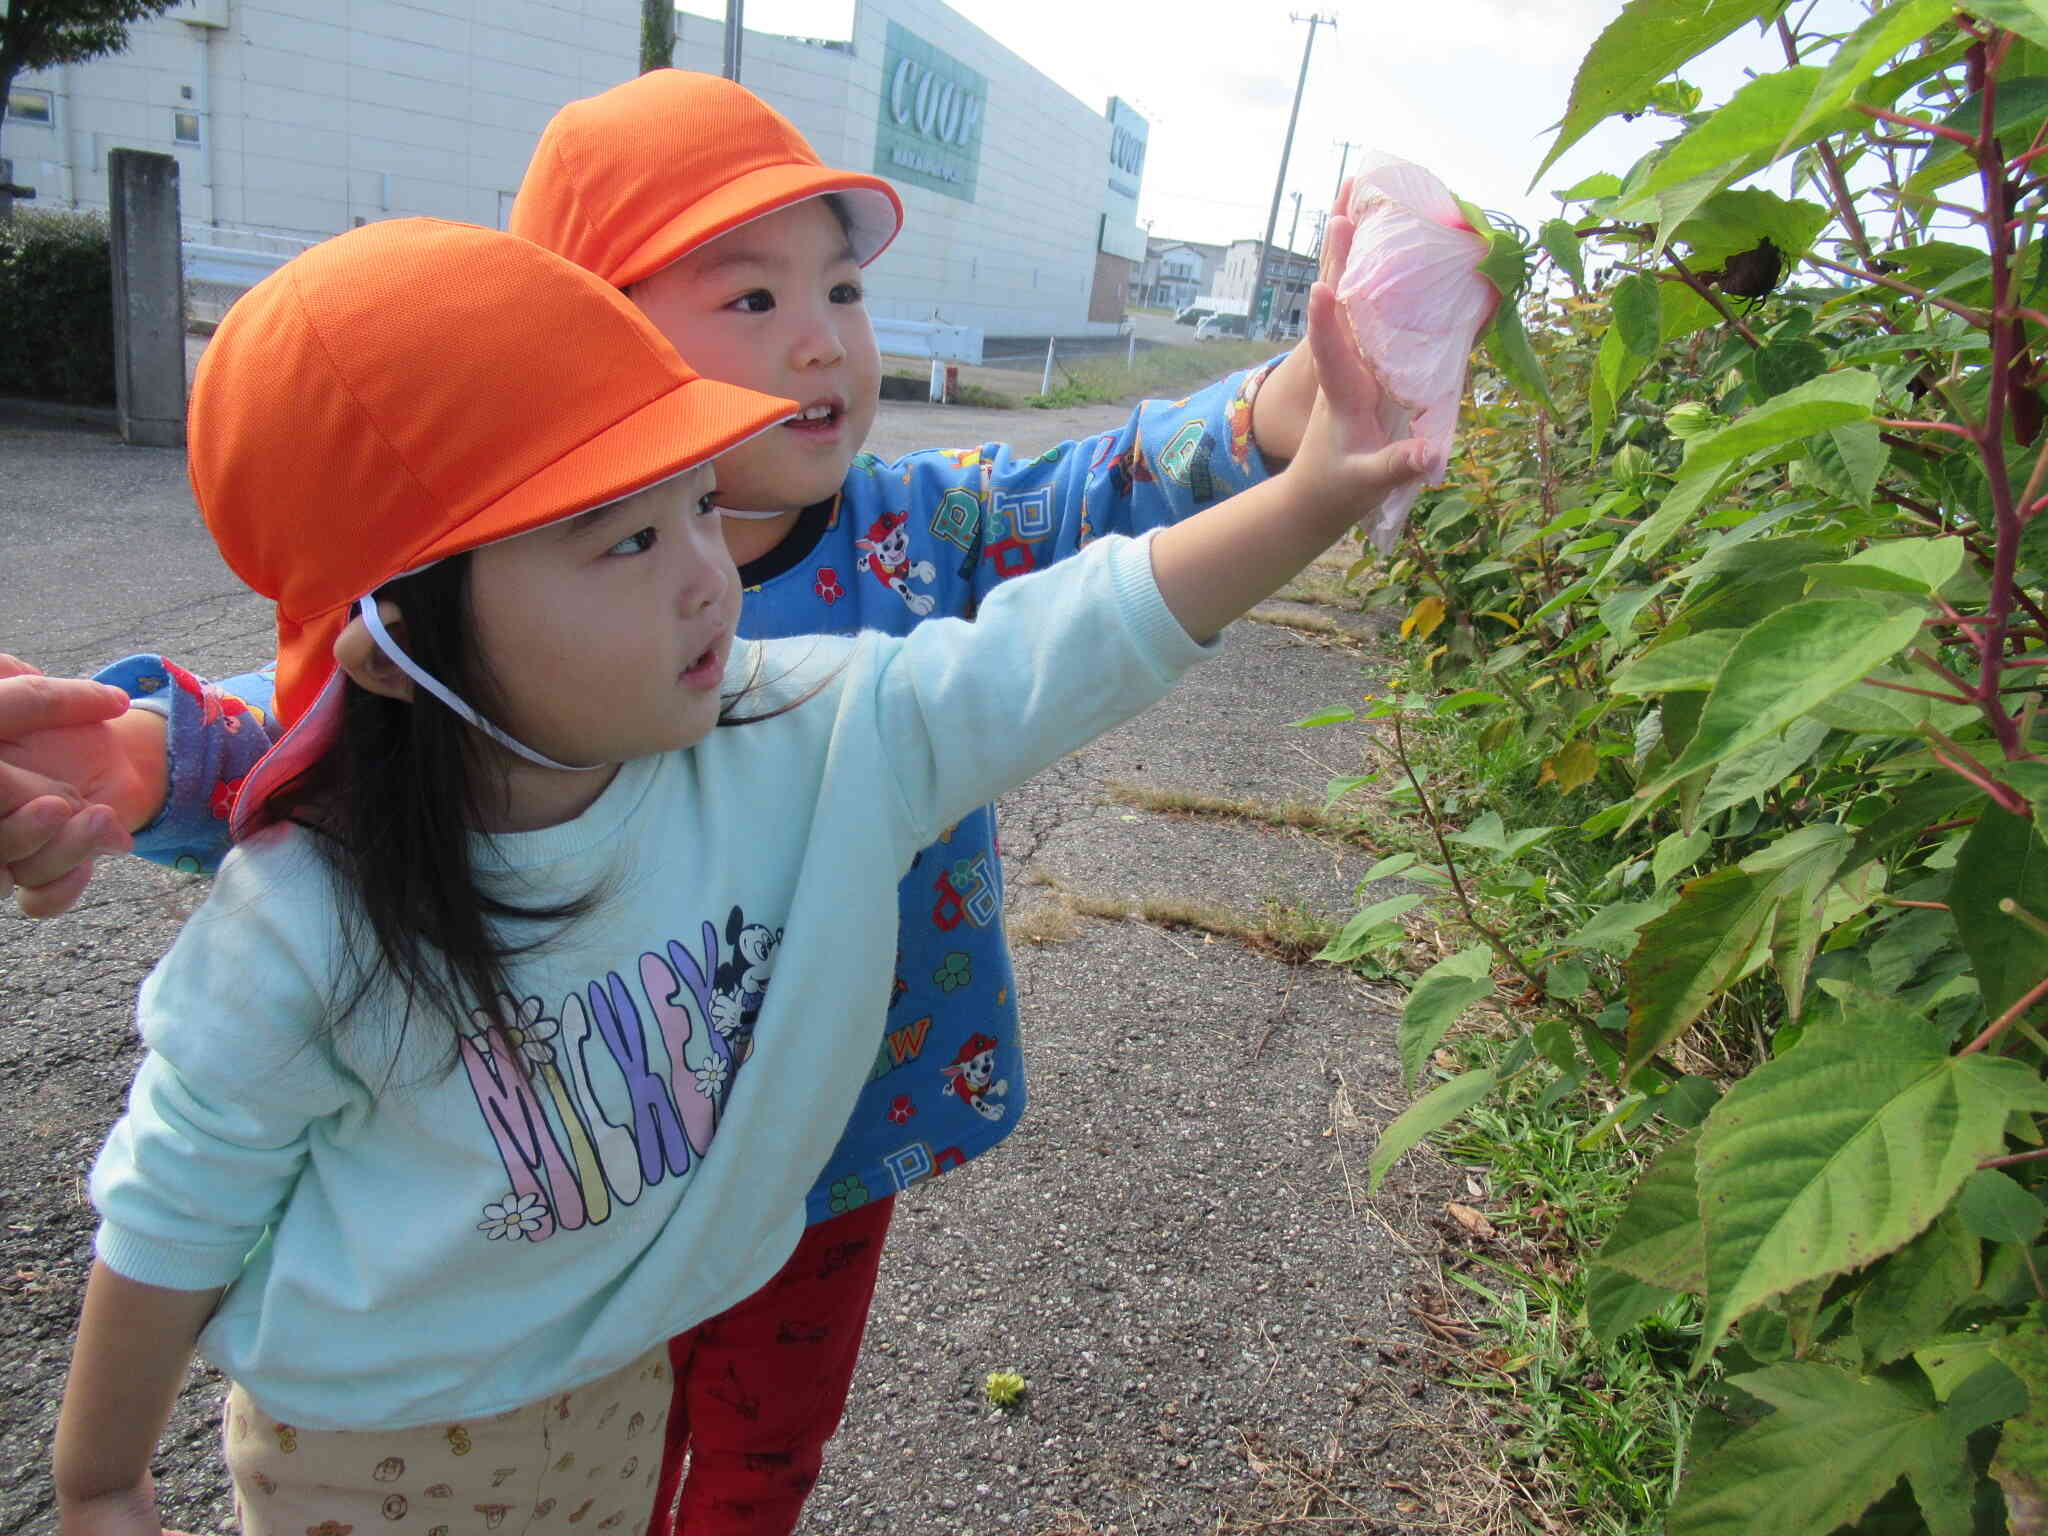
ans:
(35, 34)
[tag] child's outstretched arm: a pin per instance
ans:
(134, 1343)
(1281, 409)
(1214, 566)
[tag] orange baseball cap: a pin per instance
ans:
(410, 390)
(625, 182)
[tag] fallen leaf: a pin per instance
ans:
(1472, 1221)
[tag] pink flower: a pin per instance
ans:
(1417, 303)
(827, 585)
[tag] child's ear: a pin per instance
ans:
(357, 654)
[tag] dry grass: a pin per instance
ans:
(1294, 816)
(1315, 624)
(1288, 934)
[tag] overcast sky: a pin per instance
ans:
(1465, 87)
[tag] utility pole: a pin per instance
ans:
(1295, 226)
(1314, 20)
(735, 28)
(1343, 164)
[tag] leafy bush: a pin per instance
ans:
(57, 290)
(1761, 562)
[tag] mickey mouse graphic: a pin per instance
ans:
(886, 553)
(740, 985)
(972, 1075)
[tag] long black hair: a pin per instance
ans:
(392, 807)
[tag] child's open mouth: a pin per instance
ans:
(707, 671)
(820, 420)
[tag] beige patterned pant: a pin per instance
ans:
(580, 1463)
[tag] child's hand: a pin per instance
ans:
(1345, 451)
(61, 768)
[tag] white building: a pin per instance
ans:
(1175, 273)
(300, 118)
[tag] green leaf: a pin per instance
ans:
(2029, 18)
(1861, 55)
(1646, 42)
(1439, 996)
(1759, 767)
(1637, 318)
(1658, 1237)
(2021, 1466)
(1678, 853)
(1842, 1150)
(1783, 667)
(1388, 867)
(1616, 1302)
(1437, 1109)
(1691, 662)
(1561, 240)
(1326, 717)
(1830, 401)
(1613, 928)
(1912, 1295)
(2003, 857)
(1784, 365)
(1998, 1208)
(1954, 1358)
(1736, 219)
(1836, 1444)
(1737, 140)
(1507, 345)
(1693, 953)
(1360, 934)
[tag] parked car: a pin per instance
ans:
(1192, 314)
(1220, 327)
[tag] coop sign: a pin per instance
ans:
(928, 130)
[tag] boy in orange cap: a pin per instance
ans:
(712, 213)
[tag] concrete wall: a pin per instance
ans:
(314, 115)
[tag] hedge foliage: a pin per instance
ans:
(57, 294)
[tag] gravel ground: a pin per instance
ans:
(1175, 1248)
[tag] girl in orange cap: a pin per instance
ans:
(712, 213)
(422, 1151)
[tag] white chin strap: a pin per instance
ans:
(754, 517)
(374, 622)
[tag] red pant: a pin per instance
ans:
(760, 1388)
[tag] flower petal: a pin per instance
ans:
(1417, 302)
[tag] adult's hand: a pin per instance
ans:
(52, 827)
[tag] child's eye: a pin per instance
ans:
(758, 302)
(634, 543)
(847, 293)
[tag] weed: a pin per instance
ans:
(1161, 371)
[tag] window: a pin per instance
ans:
(31, 106)
(185, 127)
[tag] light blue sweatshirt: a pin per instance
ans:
(462, 1242)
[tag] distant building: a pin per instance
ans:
(1175, 272)
(1288, 276)
(292, 120)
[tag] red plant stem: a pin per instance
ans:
(1693, 282)
(2017, 1157)
(1941, 672)
(1905, 424)
(1945, 826)
(2002, 797)
(1991, 436)
(1900, 901)
(1925, 693)
(1999, 1025)
(1976, 317)
(1939, 130)
(2025, 661)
